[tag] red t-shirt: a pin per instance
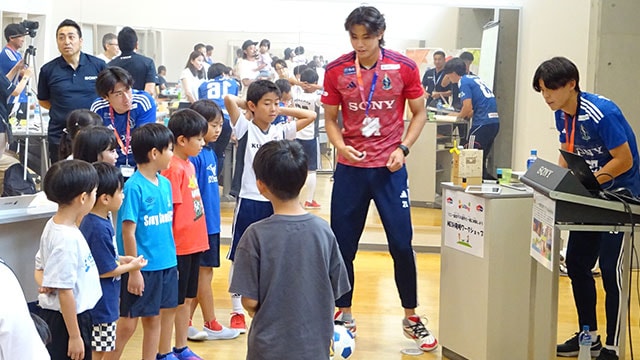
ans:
(189, 225)
(398, 80)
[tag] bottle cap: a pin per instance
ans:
(534, 152)
(585, 327)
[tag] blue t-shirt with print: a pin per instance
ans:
(601, 127)
(206, 173)
(100, 236)
(150, 207)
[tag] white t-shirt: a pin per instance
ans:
(103, 57)
(193, 84)
(251, 135)
(307, 101)
(247, 69)
(18, 336)
(67, 262)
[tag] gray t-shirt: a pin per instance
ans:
(293, 267)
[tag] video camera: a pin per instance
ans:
(31, 27)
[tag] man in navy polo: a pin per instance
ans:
(67, 82)
(141, 68)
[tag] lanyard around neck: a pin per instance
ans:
(361, 83)
(571, 136)
(124, 148)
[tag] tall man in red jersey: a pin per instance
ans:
(371, 85)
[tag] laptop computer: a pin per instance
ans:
(16, 202)
(582, 171)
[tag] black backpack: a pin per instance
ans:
(14, 183)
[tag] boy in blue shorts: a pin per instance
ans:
(98, 231)
(263, 97)
(267, 280)
(65, 268)
(144, 228)
(206, 174)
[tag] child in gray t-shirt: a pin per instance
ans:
(288, 267)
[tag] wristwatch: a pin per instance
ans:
(405, 150)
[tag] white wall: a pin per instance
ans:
(548, 28)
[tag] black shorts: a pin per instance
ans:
(188, 271)
(311, 149)
(59, 344)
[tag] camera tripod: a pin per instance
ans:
(30, 59)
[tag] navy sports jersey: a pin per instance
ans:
(67, 89)
(485, 109)
(600, 127)
(216, 89)
(8, 59)
(6, 88)
(143, 111)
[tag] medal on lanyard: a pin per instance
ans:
(126, 169)
(370, 125)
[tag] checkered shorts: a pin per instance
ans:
(103, 337)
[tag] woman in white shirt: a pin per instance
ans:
(190, 79)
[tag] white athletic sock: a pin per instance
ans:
(311, 185)
(236, 299)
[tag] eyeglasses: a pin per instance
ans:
(112, 44)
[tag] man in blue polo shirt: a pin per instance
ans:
(117, 103)
(9, 57)
(478, 102)
(141, 68)
(67, 82)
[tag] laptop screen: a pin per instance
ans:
(581, 170)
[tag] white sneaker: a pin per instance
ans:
(224, 334)
(194, 334)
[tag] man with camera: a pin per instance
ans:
(9, 57)
(67, 82)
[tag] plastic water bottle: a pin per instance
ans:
(584, 339)
(532, 157)
(439, 104)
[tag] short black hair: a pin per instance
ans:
(282, 167)
(284, 85)
(161, 68)
(209, 47)
(127, 39)
(148, 137)
(216, 70)
(466, 56)
(278, 62)
(187, 123)
(370, 18)
(299, 50)
(299, 69)
(455, 65)
(439, 52)
(91, 141)
(556, 73)
(198, 46)
(76, 120)
(69, 22)
(110, 178)
(66, 179)
(309, 76)
(287, 53)
(108, 37)
(207, 108)
(109, 77)
(260, 88)
(265, 42)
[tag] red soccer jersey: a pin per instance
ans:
(189, 225)
(398, 80)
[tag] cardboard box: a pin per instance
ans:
(467, 165)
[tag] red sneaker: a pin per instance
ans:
(237, 322)
(311, 205)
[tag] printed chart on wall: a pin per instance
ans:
(542, 234)
(464, 222)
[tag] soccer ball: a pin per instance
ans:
(342, 345)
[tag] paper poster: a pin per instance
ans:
(542, 225)
(464, 222)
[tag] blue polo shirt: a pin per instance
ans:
(143, 111)
(68, 89)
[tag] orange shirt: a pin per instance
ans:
(189, 225)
